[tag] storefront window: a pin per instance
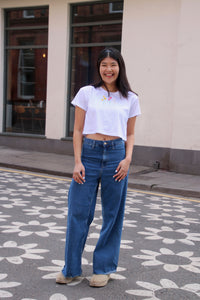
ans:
(93, 27)
(26, 32)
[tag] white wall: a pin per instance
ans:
(162, 53)
(186, 116)
(149, 50)
(57, 69)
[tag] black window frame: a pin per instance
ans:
(7, 48)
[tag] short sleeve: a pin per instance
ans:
(80, 99)
(134, 107)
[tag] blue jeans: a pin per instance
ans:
(100, 159)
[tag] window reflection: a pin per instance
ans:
(26, 90)
(27, 17)
(26, 74)
(104, 11)
(97, 34)
(28, 36)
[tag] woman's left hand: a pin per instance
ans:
(122, 169)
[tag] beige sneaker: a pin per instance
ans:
(60, 278)
(99, 280)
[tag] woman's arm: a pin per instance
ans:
(124, 165)
(130, 137)
(79, 169)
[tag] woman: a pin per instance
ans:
(103, 140)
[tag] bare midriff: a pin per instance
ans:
(101, 137)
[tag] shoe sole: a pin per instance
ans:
(101, 284)
(63, 282)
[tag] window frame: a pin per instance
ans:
(7, 48)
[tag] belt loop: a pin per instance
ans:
(113, 145)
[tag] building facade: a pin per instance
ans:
(48, 51)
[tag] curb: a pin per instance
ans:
(164, 190)
(138, 186)
(34, 169)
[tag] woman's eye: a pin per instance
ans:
(105, 66)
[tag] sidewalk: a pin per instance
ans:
(143, 178)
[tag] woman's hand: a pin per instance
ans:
(79, 173)
(122, 169)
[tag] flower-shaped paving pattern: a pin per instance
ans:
(3, 217)
(8, 202)
(166, 290)
(33, 227)
(159, 251)
(46, 212)
(4, 285)
(15, 254)
(168, 219)
(170, 260)
(170, 236)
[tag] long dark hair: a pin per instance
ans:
(122, 81)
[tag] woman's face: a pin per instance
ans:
(109, 71)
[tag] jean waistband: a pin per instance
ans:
(109, 143)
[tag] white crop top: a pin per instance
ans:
(106, 114)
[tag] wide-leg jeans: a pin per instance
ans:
(100, 159)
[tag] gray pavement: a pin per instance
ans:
(159, 252)
(140, 177)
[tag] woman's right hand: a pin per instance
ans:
(79, 173)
